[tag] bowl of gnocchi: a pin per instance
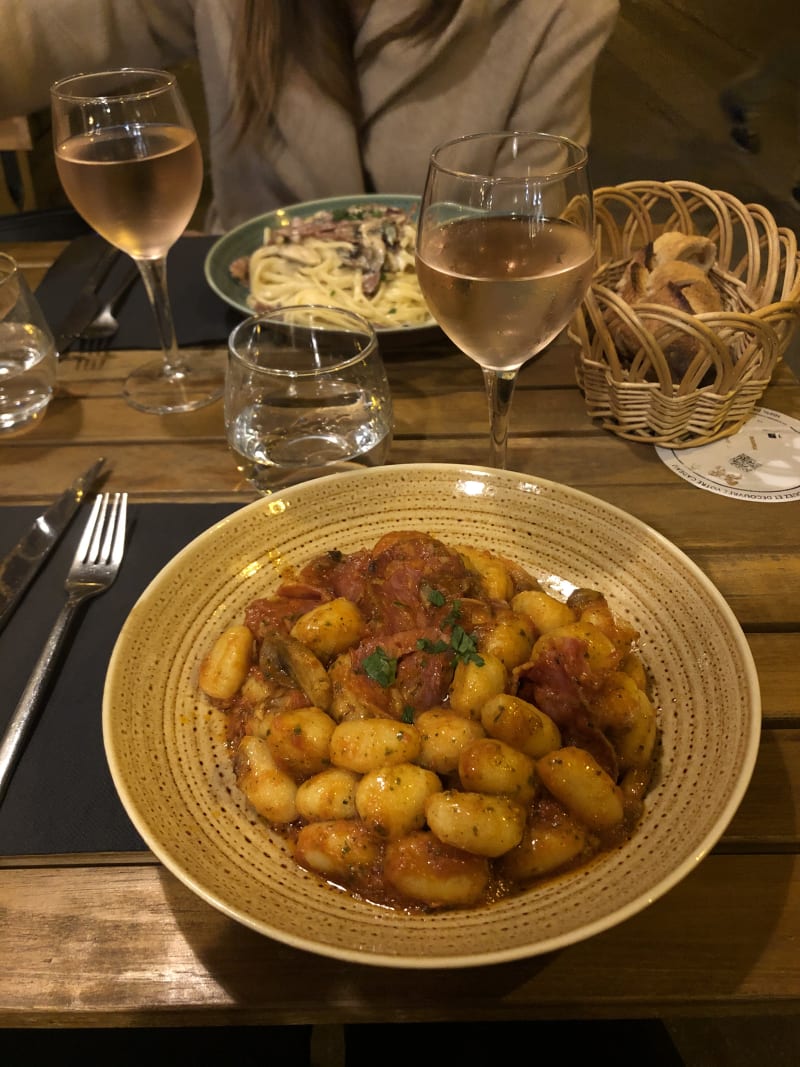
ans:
(431, 716)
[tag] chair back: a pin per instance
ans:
(16, 184)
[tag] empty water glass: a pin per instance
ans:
(306, 394)
(27, 353)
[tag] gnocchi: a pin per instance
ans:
(391, 800)
(494, 576)
(327, 796)
(573, 776)
(547, 845)
(520, 724)
(476, 682)
(271, 791)
(430, 729)
(510, 639)
(493, 767)
(330, 628)
(477, 823)
(544, 611)
(225, 667)
(300, 740)
(340, 849)
(362, 745)
(423, 868)
(443, 736)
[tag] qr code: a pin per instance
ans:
(744, 463)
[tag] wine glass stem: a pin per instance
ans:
(154, 276)
(499, 393)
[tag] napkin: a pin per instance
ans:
(62, 798)
(200, 316)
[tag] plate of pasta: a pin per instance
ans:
(354, 252)
(431, 716)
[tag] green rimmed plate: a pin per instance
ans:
(248, 236)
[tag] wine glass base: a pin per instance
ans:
(150, 389)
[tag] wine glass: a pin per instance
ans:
(505, 252)
(128, 158)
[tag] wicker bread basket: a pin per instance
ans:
(634, 391)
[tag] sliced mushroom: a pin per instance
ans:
(390, 234)
(369, 254)
(289, 662)
(580, 599)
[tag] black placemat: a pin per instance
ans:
(61, 798)
(200, 316)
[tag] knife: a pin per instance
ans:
(19, 567)
(87, 302)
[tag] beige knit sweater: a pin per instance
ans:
(501, 64)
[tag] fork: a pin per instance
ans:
(94, 568)
(97, 334)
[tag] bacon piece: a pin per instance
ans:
(355, 694)
(391, 584)
(423, 679)
(303, 591)
(276, 613)
(338, 575)
(239, 269)
(550, 682)
(558, 682)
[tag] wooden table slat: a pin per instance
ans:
(103, 946)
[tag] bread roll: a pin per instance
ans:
(673, 271)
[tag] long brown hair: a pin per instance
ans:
(272, 35)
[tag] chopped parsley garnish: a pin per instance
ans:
(462, 645)
(380, 667)
(408, 714)
(435, 597)
(465, 647)
(424, 645)
(453, 613)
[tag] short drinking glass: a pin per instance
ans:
(27, 353)
(306, 394)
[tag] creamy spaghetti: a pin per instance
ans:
(360, 259)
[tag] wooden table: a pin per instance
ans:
(116, 940)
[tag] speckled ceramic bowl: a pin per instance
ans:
(167, 758)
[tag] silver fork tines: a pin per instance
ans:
(98, 334)
(101, 545)
(93, 569)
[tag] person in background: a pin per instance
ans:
(317, 98)
(743, 100)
